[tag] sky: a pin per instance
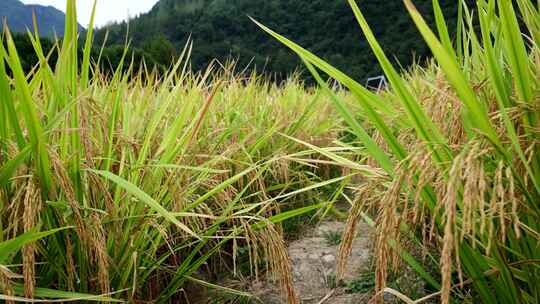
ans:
(107, 10)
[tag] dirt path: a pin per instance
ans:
(314, 257)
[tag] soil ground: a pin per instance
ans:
(313, 257)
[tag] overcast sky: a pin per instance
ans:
(107, 10)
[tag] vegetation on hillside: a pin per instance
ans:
(222, 30)
(108, 58)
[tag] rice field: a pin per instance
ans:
(123, 186)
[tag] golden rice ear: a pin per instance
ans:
(32, 206)
(388, 230)
(100, 256)
(449, 204)
(90, 232)
(349, 234)
(515, 203)
(279, 261)
(66, 187)
(71, 271)
(283, 264)
(446, 112)
(5, 283)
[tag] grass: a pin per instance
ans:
(123, 186)
(458, 140)
(364, 283)
(332, 238)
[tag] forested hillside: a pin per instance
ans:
(221, 29)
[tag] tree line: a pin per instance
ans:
(221, 29)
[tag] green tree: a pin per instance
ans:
(161, 50)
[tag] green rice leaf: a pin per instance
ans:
(57, 296)
(85, 69)
(424, 126)
(10, 247)
(456, 78)
(442, 28)
(145, 198)
(374, 150)
(9, 168)
(30, 114)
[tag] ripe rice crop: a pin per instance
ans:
(459, 142)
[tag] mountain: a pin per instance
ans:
(221, 29)
(19, 17)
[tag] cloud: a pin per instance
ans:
(107, 10)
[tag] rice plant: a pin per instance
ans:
(138, 180)
(458, 140)
(123, 186)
